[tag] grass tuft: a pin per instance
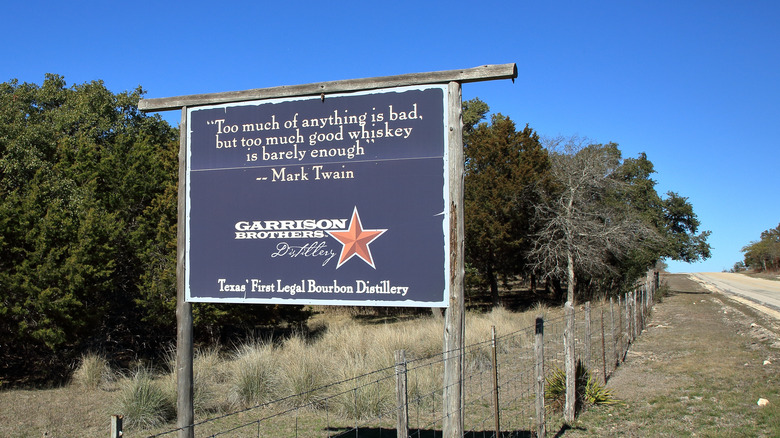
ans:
(661, 293)
(370, 395)
(92, 372)
(251, 375)
(143, 401)
(210, 372)
(302, 373)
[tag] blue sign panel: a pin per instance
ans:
(338, 200)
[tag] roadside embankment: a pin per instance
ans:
(698, 369)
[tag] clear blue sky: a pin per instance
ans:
(694, 84)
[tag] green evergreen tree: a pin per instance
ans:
(81, 170)
(503, 166)
(88, 217)
(673, 218)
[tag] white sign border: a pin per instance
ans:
(336, 302)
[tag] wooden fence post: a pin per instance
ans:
(116, 426)
(627, 328)
(645, 308)
(620, 324)
(402, 425)
(571, 378)
(650, 295)
(539, 355)
(640, 310)
(638, 314)
(628, 321)
(635, 309)
(640, 302)
(649, 299)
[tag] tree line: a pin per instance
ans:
(88, 199)
(566, 211)
(88, 188)
(762, 255)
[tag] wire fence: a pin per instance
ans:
(501, 390)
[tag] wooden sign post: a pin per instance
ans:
(313, 289)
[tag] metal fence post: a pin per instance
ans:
(588, 335)
(495, 382)
(603, 346)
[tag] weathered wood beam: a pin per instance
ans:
(454, 318)
(476, 74)
(185, 392)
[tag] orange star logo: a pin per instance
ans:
(355, 241)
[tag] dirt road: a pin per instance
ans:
(762, 293)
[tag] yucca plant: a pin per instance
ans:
(596, 393)
(588, 390)
(555, 390)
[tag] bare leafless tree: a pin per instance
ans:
(580, 231)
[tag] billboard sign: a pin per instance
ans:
(337, 200)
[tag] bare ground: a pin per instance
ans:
(54, 413)
(698, 369)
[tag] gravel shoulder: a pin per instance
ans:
(698, 369)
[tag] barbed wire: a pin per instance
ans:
(515, 374)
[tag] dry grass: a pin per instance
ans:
(250, 380)
(698, 367)
(93, 372)
(297, 368)
(301, 372)
(769, 275)
(143, 401)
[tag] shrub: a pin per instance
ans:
(662, 292)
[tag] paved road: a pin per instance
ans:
(763, 292)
